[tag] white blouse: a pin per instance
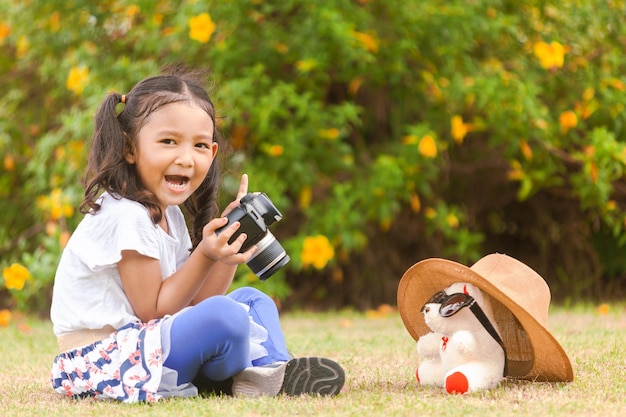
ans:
(88, 292)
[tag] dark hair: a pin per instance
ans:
(115, 136)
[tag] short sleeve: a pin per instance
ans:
(119, 225)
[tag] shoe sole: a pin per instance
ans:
(319, 376)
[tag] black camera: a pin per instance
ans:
(255, 213)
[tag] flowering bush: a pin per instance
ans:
(443, 129)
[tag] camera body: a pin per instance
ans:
(255, 213)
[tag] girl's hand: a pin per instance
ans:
(217, 248)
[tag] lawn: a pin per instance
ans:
(379, 358)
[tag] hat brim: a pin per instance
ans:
(427, 277)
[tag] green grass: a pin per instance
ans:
(379, 358)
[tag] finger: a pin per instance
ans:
(238, 243)
(239, 258)
(243, 187)
(248, 254)
(215, 224)
(227, 233)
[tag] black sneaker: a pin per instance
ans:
(313, 375)
(299, 376)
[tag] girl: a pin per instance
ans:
(138, 305)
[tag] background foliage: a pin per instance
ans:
(386, 131)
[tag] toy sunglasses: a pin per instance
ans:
(453, 303)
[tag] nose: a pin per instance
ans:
(184, 157)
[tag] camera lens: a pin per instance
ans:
(268, 258)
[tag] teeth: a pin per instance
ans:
(177, 182)
(179, 186)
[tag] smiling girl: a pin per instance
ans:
(140, 308)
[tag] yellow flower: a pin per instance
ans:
(56, 212)
(551, 55)
(305, 197)
(427, 146)
(167, 31)
(68, 210)
(275, 150)
(611, 205)
(416, 204)
(541, 124)
(567, 120)
(201, 28)
(355, 85)
(516, 173)
(589, 151)
(132, 10)
(589, 93)
(332, 133)
(77, 79)
(64, 237)
(56, 204)
(5, 317)
(617, 84)
(602, 309)
(22, 46)
(306, 65)
(346, 323)
(9, 162)
(5, 31)
(368, 41)
(382, 311)
(15, 276)
(526, 149)
(317, 251)
(281, 47)
(452, 220)
(55, 22)
(593, 171)
(459, 129)
(51, 228)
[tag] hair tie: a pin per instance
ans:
(124, 98)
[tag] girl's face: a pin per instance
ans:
(175, 150)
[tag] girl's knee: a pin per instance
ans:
(250, 296)
(246, 292)
(221, 312)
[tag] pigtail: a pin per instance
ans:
(107, 147)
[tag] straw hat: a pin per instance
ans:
(520, 299)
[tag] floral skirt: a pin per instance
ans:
(126, 366)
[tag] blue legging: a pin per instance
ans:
(212, 337)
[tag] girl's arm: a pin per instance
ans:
(152, 297)
(209, 270)
(218, 282)
(221, 275)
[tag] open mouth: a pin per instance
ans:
(177, 181)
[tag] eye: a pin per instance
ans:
(168, 141)
(203, 145)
